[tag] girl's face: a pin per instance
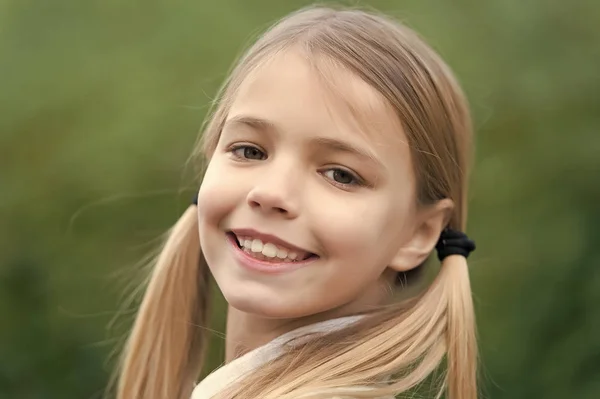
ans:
(301, 210)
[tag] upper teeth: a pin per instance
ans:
(267, 249)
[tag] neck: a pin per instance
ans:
(246, 332)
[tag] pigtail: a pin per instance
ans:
(461, 335)
(165, 351)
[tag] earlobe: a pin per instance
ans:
(430, 223)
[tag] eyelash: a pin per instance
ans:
(234, 148)
(357, 181)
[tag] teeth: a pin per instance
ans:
(266, 250)
(282, 253)
(257, 245)
(269, 250)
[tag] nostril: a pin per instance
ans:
(257, 204)
(270, 202)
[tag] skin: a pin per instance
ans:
(280, 168)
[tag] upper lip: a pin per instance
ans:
(264, 237)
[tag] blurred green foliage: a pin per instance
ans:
(101, 102)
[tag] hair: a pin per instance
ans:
(396, 347)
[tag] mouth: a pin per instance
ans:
(270, 250)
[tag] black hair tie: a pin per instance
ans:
(195, 199)
(454, 242)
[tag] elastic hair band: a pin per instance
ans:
(195, 199)
(454, 242)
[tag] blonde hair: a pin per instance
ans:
(401, 344)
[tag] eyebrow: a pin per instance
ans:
(344, 147)
(250, 121)
(331, 144)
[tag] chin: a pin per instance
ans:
(267, 306)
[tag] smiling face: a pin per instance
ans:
(301, 210)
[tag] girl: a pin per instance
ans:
(338, 153)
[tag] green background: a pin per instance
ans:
(101, 102)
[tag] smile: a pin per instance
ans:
(267, 248)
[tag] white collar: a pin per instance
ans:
(228, 373)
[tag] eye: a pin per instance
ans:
(248, 152)
(342, 177)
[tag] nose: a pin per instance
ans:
(275, 194)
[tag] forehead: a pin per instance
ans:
(317, 96)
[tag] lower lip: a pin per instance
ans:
(248, 262)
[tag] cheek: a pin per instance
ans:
(217, 195)
(364, 231)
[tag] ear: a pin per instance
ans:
(429, 224)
